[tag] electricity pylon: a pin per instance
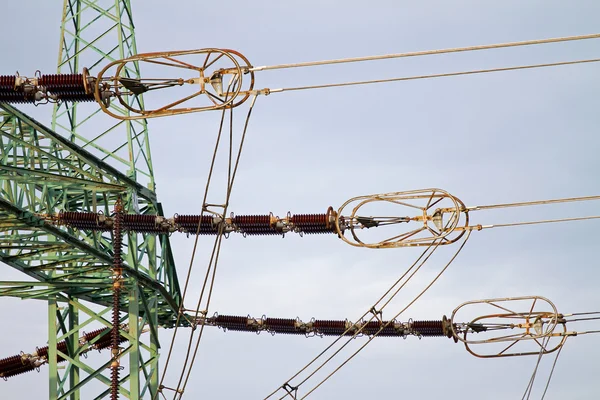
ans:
(85, 162)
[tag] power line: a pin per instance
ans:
(416, 77)
(208, 284)
(416, 265)
(427, 52)
(230, 180)
(534, 203)
(545, 221)
(387, 297)
(395, 316)
(551, 372)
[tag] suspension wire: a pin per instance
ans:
(374, 313)
(231, 179)
(566, 316)
(430, 249)
(180, 313)
(582, 319)
(546, 221)
(581, 313)
(533, 203)
(552, 370)
(415, 77)
(395, 316)
(424, 256)
(529, 387)
(587, 332)
(211, 268)
(187, 280)
(427, 52)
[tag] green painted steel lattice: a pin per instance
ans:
(85, 162)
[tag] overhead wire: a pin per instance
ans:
(529, 387)
(231, 179)
(375, 311)
(535, 203)
(545, 221)
(427, 52)
(180, 313)
(287, 386)
(430, 76)
(216, 247)
(210, 272)
(395, 316)
(582, 319)
(423, 257)
(469, 229)
(587, 332)
(552, 370)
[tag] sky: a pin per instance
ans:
(487, 139)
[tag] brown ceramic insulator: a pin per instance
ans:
(9, 363)
(114, 335)
(74, 96)
(43, 351)
(66, 87)
(16, 97)
(253, 220)
(15, 365)
(260, 231)
(329, 327)
(114, 342)
(16, 371)
(232, 322)
(7, 82)
(62, 82)
(428, 328)
(117, 266)
(231, 319)
(254, 224)
(371, 327)
(81, 220)
(117, 241)
(94, 334)
(89, 336)
(375, 328)
(312, 223)
(118, 261)
(189, 223)
(316, 230)
(114, 384)
(389, 331)
(105, 341)
(309, 219)
(281, 325)
(141, 223)
(70, 216)
(10, 94)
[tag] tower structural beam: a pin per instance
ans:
(41, 172)
(84, 162)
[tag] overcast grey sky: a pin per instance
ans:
(493, 138)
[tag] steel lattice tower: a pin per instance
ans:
(85, 162)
